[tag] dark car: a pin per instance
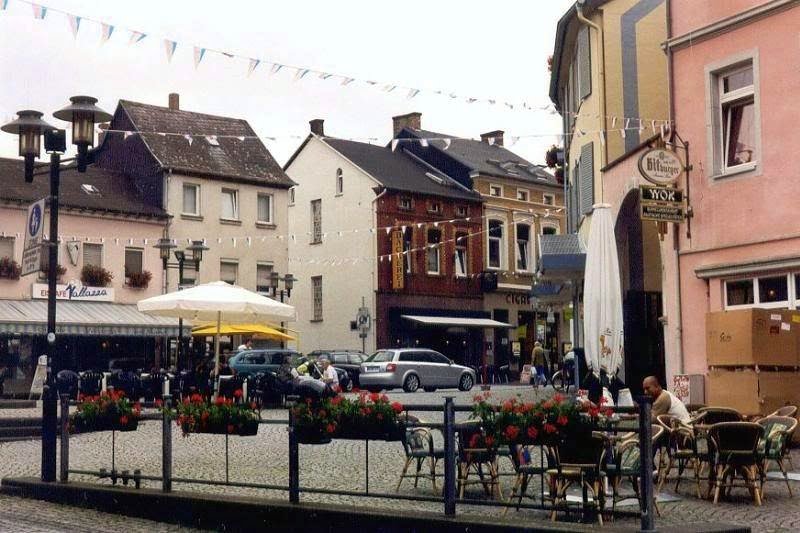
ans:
(252, 362)
(348, 360)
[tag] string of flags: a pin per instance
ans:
(300, 72)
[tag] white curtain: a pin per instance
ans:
(602, 295)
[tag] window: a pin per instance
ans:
(436, 357)
(433, 253)
(460, 257)
(264, 209)
(495, 190)
(404, 202)
(548, 199)
(773, 289)
(495, 243)
(316, 221)
(230, 204)
(92, 254)
(291, 196)
(339, 181)
(191, 199)
(316, 296)
(7, 247)
(522, 195)
(228, 271)
(434, 207)
(263, 274)
(408, 244)
(355, 359)
(549, 230)
(523, 247)
(766, 291)
(462, 211)
(133, 261)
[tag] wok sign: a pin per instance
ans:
(661, 204)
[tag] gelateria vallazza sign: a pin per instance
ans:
(75, 291)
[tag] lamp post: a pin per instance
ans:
(288, 283)
(29, 126)
(195, 256)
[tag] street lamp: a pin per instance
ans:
(288, 283)
(195, 255)
(30, 127)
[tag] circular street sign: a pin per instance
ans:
(35, 221)
(660, 166)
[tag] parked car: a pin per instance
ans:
(412, 368)
(252, 362)
(348, 360)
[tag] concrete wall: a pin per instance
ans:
(12, 222)
(347, 262)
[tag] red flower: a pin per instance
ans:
(558, 398)
(562, 420)
(548, 404)
(123, 420)
(477, 398)
(511, 432)
(489, 441)
(159, 402)
(508, 406)
(374, 397)
(336, 400)
(185, 401)
(594, 411)
(603, 400)
(204, 416)
(231, 428)
(608, 412)
(384, 398)
(220, 400)
(532, 432)
(196, 398)
(368, 411)
(355, 390)
(253, 406)
(330, 428)
(237, 393)
(473, 442)
(550, 428)
(397, 407)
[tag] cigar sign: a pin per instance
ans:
(660, 167)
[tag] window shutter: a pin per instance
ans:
(574, 199)
(584, 64)
(586, 170)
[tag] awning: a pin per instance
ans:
(83, 318)
(260, 331)
(457, 321)
(561, 256)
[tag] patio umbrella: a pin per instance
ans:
(217, 301)
(602, 296)
(257, 330)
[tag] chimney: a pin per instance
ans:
(409, 120)
(496, 135)
(175, 101)
(317, 127)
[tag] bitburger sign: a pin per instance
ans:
(660, 166)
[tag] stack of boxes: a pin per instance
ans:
(753, 358)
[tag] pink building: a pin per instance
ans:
(105, 225)
(734, 65)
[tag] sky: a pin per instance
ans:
(487, 50)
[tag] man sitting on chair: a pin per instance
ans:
(664, 402)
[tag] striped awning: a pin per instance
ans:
(83, 318)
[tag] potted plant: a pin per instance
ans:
(96, 276)
(109, 411)
(314, 422)
(139, 280)
(9, 268)
(224, 416)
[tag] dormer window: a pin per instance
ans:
(496, 190)
(404, 202)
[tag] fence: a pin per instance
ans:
(448, 427)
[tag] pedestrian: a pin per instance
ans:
(539, 360)
(248, 345)
(329, 375)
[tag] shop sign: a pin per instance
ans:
(31, 252)
(397, 260)
(518, 298)
(660, 166)
(74, 291)
(661, 204)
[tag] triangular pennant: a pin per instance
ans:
(394, 144)
(74, 24)
(389, 88)
(300, 73)
(602, 137)
(241, 137)
(212, 140)
(136, 36)
(253, 65)
(641, 126)
(423, 143)
(653, 126)
(446, 143)
(126, 134)
(39, 12)
(412, 93)
(347, 81)
(199, 53)
(324, 75)
(388, 230)
(514, 139)
(275, 69)
(471, 100)
(189, 138)
(106, 31)
(169, 48)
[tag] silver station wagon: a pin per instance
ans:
(412, 368)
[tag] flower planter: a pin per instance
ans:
(356, 432)
(311, 435)
(83, 425)
(248, 428)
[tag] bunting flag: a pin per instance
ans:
(189, 138)
(136, 37)
(253, 65)
(39, 12)
(198, 55)
(169, 48)
(602, 138)
(347, 81)
(74, 24)
(394, 144)
(300, 73)
(423, 143)
(324, 75)
(412, 93)
(446, 143)
(105, 33)
(275, 69)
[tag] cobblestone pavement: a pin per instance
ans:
(264, 459)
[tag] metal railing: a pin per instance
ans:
(447, 427)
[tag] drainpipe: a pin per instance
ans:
(602, 75)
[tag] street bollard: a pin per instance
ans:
(166, 446)
(64, 438)
(294, 462)
(646, 463)
(449, 457)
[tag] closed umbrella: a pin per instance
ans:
(602, 296)
(217, 302)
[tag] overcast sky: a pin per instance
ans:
(481, 49)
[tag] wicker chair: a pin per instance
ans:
(524, 470)
(627, 465)
(786, 410)
(735, 446)
(774, 445)
(578, 462)
(684, 448)
(419, 447)
(474, 460)
(714, 415)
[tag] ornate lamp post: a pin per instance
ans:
(288, 283)
(29, 126)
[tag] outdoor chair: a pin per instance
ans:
(685, 448)
(774, 445)
(153, 385)
(90, 383)
(128, 383)
(786, 410)
(473, 458)
(67, 383)
(524, 470)
(735, 448)
(581, 462)
(419, 447)
(627, 465)
(708, 416)
(229, 386)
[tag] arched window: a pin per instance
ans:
(523, 247)
(495, 246)
(339, 181)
